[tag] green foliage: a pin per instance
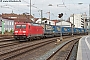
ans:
(0, 32)
(11, 31)
(6, 31)
(44, 18)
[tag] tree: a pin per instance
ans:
(44, 18)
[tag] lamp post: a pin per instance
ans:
(30, 7)
(73, 25)
(49, 16)
(49, 12)
(41, 16)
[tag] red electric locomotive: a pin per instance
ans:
(27, 31)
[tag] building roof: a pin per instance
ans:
(55, 21)
(17, 17)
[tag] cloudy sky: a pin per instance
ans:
(67, 7)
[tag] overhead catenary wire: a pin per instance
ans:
(24, 10)
(39, 8)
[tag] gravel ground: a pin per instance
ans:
(33, 55)
(62, 52)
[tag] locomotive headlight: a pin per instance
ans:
(24, 34)
(16, 31)
(16, 34)
(24, 31)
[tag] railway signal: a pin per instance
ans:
(60, 15)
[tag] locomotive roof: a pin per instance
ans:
(35, 24)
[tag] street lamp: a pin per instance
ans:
(41, 15)
(50, 5)
(80, 3)
(49, 12)
(30, 7)
(73, 25)
(49, 16)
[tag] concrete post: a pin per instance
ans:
(2, 27)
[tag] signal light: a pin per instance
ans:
(60, 15)
(45, 21)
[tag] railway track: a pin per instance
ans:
(65, 53)
(15, 52)
(19, 49)
(3, 39)
(6, 40)
(7, 44)
(6, 36)
(62, 52)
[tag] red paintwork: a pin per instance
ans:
(32, 31)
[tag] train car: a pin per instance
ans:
(27, 31)
(48, 30)
(66, 30)
(84, 31)
(77, 31)
(80, 30)
(56, 30)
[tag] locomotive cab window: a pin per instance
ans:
(23, 26)
(18, 26)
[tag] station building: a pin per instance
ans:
(8, 24)
(7, 20)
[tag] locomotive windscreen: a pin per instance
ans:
(20, 26)
(23, 26)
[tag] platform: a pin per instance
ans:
(84, 48)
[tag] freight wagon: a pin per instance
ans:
(56, 30)
(66, 30)
(77, 31)
(48, 29)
